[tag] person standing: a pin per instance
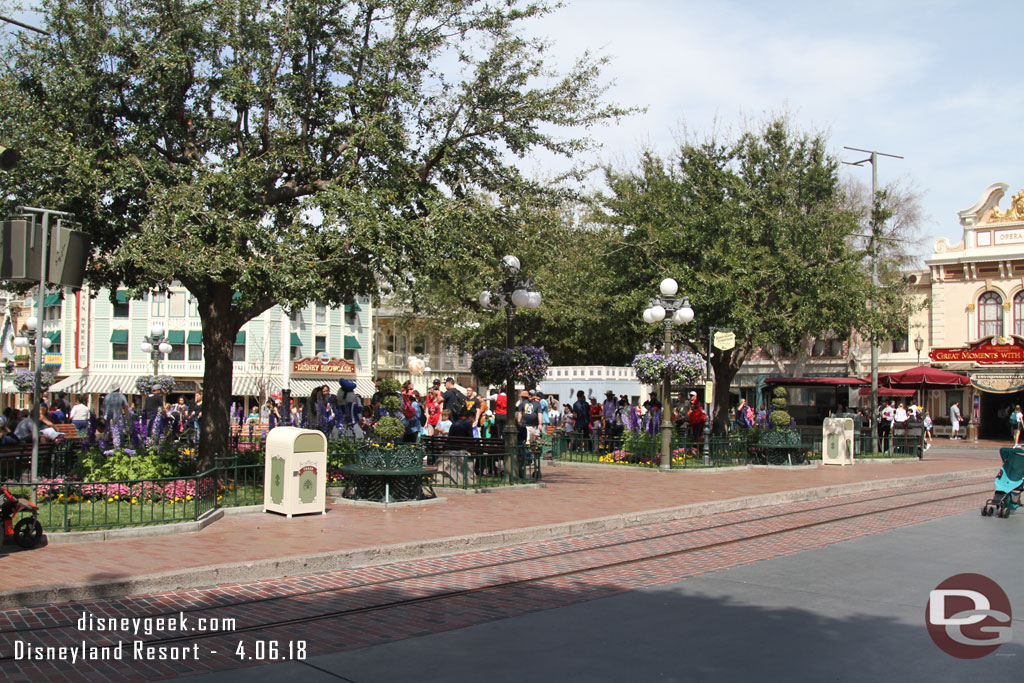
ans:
(453, 399)
(581, 418)
(500, 415)
(528, 414)
(885, 417)
(927, 426)
(954, 420)
(80, 416)
(1015, 424)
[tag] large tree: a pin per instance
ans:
(755, 231)
(276, 152)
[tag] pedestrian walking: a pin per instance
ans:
(954, 420)
(1015, 422)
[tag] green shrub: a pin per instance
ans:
(780, 419)
(389, 429)
(390, 385)
(391, 403)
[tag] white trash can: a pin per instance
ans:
(295, 472)
(837, 441)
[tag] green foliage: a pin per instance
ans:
(780, 392)
(389, 429)
(779, 399)
(780, 419)
(391, 403)
(390, 385)
(121, 465)
(283, 150)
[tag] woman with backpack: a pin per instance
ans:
(1015, 424)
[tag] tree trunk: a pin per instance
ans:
(726, 366)
(219, 329)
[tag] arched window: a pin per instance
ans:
(990, 315)
(1018, 314)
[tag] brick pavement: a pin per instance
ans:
(572, 494)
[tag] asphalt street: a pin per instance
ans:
(852, 611)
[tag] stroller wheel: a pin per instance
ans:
(986, 511)
(1004, 512)
(27, 532)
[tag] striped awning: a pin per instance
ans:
(95, 384)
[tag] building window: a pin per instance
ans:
(238, 353)
(350, 316)
(195, 351)
(901, 342)
(121, 307)
(351, 355)
(177, 352)
(296, 316)
(1018, 314)
(990, 315)
(159, 300)
(319, 344)
(193, 306)
(321, 313)
(176, 305)
(296, 353)
(119, 351)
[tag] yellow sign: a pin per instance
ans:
(52, 359)
(725, 340)
(709, 389)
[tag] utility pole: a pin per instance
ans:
(873, 250)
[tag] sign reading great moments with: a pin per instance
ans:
(983, 353)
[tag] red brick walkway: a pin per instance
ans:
(573, 493)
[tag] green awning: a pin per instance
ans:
(119, 337)
(240, 338)
(351, 343)
(195, 337)
(176, 337)
(352, 307)
(122, 296)
(54, 337)
(295, 340)
(51, 300)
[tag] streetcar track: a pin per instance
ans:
(504, 584)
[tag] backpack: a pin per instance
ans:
(458, 404)
(1014, 420)
(408, 410)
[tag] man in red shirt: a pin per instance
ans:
(698, 418)
(500, 416)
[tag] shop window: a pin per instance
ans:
(990, 315)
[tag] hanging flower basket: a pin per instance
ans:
(679, 368)
(145, 384)
(528, 364)
(25, 379)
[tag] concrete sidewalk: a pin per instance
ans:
(576, 499)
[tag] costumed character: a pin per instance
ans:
(350, 409)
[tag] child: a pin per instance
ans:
(444, 424)
(927, 432)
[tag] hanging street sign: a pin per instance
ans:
(725, 340)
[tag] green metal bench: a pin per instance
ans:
(782, 447)
(388, 474)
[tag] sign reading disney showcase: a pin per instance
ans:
(983, 353)
(316, 366)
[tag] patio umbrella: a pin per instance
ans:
(924, 377)
(886, 391)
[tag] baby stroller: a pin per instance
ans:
(26, 531)
(1009, 484)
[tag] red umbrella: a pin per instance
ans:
(924, 377)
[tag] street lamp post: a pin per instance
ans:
(513, 293)
(918, 344)
(669, 310)
(155, 344)
(35, 340)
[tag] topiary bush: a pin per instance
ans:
(779, 418)
(389, 429)
(391, 403)
(390, 385)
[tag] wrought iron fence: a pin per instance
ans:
(466, 471)
(73, 505)
(645, 450)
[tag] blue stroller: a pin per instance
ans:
(1009, 484)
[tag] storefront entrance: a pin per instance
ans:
(995, 415)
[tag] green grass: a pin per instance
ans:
(112, 514)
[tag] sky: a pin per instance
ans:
(935, 82)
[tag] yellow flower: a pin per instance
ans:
(188, 497)
(110, 500)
